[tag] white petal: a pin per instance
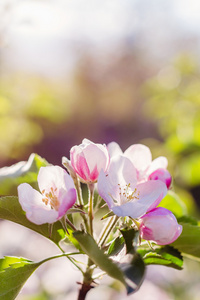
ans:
(140, 155)
(114, 149)
(52, 176)
(31, 202)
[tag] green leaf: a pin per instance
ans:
(116, 246)
(172, 202)
(189, 241)
(167, 256)
(11, 210)
(131, 237)
(24, 171)
(90, 247)
(14, 271)
(130, 271)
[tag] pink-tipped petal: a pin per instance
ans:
(160, 162)
(67, 201)
(88, 159)
(163, 175)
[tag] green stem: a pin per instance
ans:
(106, 230)
(90, 207)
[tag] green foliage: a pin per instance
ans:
(11, 210)
(189, 241)
(25, 171)
(14, 272)
(172, 202)
(116, 246)
(166, 256)
(90, 247)
(130, 271)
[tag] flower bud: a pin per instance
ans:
(163, 175)
(88, 159)
(160, 226)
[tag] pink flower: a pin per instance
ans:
(160, 226)
(88, 159)
(118, 187)
(57, 194)
(140, 156)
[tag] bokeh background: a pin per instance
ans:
(118, 70)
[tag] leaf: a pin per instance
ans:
(189, 241)
(11, 210)
(167, 256)
(90, 247)
(134, 269)
(116, 246)
(24, 171)
(172, 202)
(130, 271)
(188, 219)
(14, 271)
(130, 237)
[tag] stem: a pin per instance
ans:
(90, 207)
(107, 229)
(80, 199)
(83, 291)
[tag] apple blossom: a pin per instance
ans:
(141, 157)
(88, 159)
(124, 196)
(57, 194)
(160, 225)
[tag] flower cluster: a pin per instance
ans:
(131, 184)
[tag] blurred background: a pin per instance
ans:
(119, 70)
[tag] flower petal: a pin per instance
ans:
(31, 202)
(114, 149)
(151, 193)
(52, 176)
(160, 162)
(67, 201)
(140, 155)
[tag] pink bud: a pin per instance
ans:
(88, 159)
(163, 175)
(160, 226)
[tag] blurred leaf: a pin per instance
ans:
(189, 169)
(188, 219)
(189, 241)
(167, 256)
(116, 246)
(133, 268)
(11, 210)
(172, 202)
(24, 171)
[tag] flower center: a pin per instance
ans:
(51, 199)
(127, 194)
